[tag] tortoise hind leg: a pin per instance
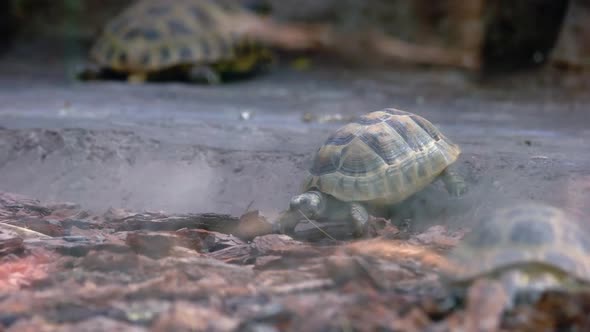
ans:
(454, 183)
(137, 78)
(360, 218)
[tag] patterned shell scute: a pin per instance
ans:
(155, 34)
(519, 235)
(384, 156)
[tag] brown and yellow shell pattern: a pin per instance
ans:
(529, 234)
(153, 35)
(382, 158)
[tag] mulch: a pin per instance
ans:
(63, 268)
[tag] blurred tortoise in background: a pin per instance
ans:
(369, 165)
(193, 40)
(528, 248)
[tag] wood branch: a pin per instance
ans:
(22, 232)
(289, 36)
(325, 37)
(400, 50)
(162, 222)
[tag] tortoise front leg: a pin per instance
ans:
(486, 298)
(454, 183)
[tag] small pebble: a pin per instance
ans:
(245, 115)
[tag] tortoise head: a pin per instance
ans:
(312, 204)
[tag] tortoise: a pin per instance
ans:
(190, 39)
(369, 165)
(527, 248)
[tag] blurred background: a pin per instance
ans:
(492, 35)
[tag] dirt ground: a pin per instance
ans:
(185, 148)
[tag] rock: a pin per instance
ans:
(251, 225)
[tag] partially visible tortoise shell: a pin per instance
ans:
(152, 35)
(383, 157)
(529, 233)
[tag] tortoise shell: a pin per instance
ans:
(382, 158)
(520, 236)
(152, 35)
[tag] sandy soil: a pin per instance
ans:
(184, 148)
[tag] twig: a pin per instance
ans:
(291, 36)
(24, 232)
(249, 206)
(308, 36)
